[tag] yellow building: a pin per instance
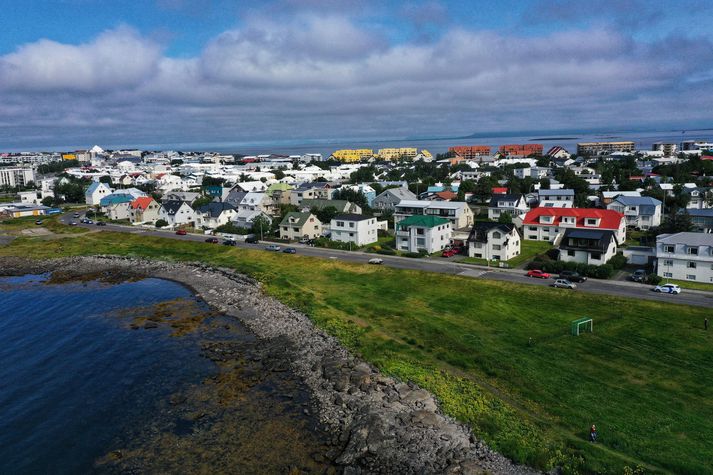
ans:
(69, 156)
(397, 153)
(426, 153)
(353, 155)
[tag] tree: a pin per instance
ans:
(106, 179)
(261, 225)
(363, 175)
(161, 223)
(505, 218)
(353, 196)
(212, 181)
(279, 174)
(202, 201)
(676, 222)
(48, 201)
(326, 214)
(545, 184)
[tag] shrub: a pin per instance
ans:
(653, 279)
(618, 261)
(387, 252)
(411, 254)
(161, 223)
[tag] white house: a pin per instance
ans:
(176, 213)
(96, 191)
(355, 228)
(685, 256)
(642, 212)
(214, 214)
(118, 210)
(587, 246)
(423, 233)
(515, 205)
(458, 213)
(494, 241)
(563, 198)
(698, 199)
(257, 201)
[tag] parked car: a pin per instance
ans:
(572, 276)
(272, 247)
(101, 223)
(289, 250)
(639, 275)
(668, 289)
(304, 240)
(252, 240)
(212, 240)
(75, 215)
(89, 221)
(230, 242)
(73, 223)
(564, 284)
(376, 260)
(181, 232)
(84, 220)
(537, 273)
(38, 222)
(449, 253)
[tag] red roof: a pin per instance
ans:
(499, 191)
(142, 202)
(610, 219)
(446, 195)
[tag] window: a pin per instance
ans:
(340, 224)
(692, 251)
(496, 247)
(669, 248)
(532, 237)
(570, 253)
(596, 256)
(591, 222)
(668, 262)
(496, 235)
(351, 234)
(351, 225)
(420, 231)
(691, 265)
(690, 277)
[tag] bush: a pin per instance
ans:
(231, 228)
(387, 252)
(411, 254)
(618, 261)
(161, 223)
(382, 233)
(653, 279)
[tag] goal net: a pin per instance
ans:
(582, 325)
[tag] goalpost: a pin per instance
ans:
(582, 325)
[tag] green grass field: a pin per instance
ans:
(643, 376)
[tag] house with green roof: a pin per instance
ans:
(423, 233)
(295, 226)
(342, 206)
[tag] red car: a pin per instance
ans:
(538, 274)
(181, 232)
(448, 253)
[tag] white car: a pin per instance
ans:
(668, 289)
(376, 260)
(564, 284)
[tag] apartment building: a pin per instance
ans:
(397, 153)
(354, 228)
(685, 256)
(459, 214)
(353, 155)
(521, 150)
(545, 224)
(471, 152)
(668, 149)
(14, 177)
(423, 233)
(563, 198)
(597, 148)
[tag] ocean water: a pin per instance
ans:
(75, 381)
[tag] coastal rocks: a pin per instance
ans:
(377, 424)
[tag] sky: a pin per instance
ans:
(215, 71)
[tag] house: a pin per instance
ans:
(257, 201)
(545, 224)
(244, 218)
(685, 256)
(563, 198)
(609, 196)
(96, 191)
(388, 199)
(296, 226)
(698, 199)
(641, 212)
(187, 196)
(316, 190)
(176, 213)
(214, 214)
(423, 233)
(458, 213)
(495, 241)
(354, 228)
(342, 206)
(235, 197)
(144, 210)
(514, 204)
(446, 195)
(702, 219)
(118, 210)
(588, 246)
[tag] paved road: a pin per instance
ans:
(448, 266)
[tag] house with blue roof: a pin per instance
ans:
(96, 191)
(640, 212)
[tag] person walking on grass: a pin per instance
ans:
(593, 434)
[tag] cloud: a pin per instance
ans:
(326, 75)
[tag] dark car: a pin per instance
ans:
(639, 275)
(212, 240)
(230, 242)
(572, 276)
(251, 240)
(289, 250)
(101, 223)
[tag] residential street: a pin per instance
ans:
(609, 287)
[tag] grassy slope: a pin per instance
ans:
(643, 377)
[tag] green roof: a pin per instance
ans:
(424, 221)
(300, 219)
(279, 187)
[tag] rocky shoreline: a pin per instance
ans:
(377, 424)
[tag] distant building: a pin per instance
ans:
(597, 148)
(353, 155)
(521, 150)
(471, 152)
(514, 204)
(16, 177)
(558, 152)
(397, 153)
(668, 149)
(556, 198)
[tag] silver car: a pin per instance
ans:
(564, 284)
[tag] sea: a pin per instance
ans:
(85, 389)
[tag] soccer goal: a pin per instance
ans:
(582, 325)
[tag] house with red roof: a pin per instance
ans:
(143, 210)
(545, 224)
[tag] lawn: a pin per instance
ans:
(528, 251)
(687, 284)
(498, 355)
